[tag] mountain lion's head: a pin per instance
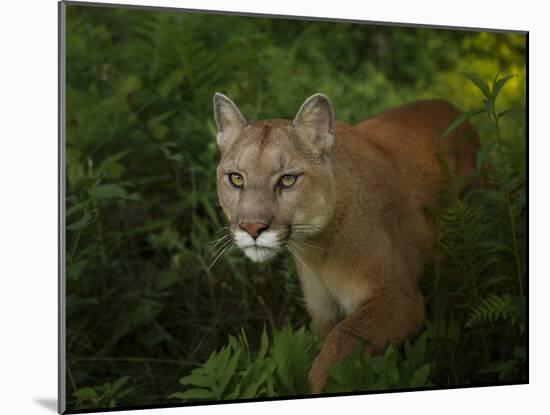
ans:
(274, 179)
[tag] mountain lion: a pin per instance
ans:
(353, 205)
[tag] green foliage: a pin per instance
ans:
(281, 365)
(496, 307)
(292, 353)
(393, 369)
(106, 395)
(279, 368)
(142, 210)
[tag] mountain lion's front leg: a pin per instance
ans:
(322, 307)
(388, 318)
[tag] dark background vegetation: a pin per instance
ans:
(143, 307)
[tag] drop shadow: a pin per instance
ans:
(48, 403)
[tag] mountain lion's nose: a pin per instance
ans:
(253, 229)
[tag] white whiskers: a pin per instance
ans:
(220, 247)
(299, 234)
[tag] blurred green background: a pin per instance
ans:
(143, 307)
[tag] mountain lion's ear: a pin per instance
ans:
(316, 119)
(229, 120)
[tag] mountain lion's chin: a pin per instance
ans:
(260, 254)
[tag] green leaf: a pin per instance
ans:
(227, 372)
(496, 244)
(75, 269)
(495, 307)
(416, 351)
(252, 388)
(125, 392)
(482, 85)
(497, 86)
(133, 197)
(111, 166)
(85, 394)
(292, 354)
(196, 379)
(264, 342)
(462, 118)
(377, 364)
(108, 191)
(128, 84)
(175, 157)
(157, 124)
(514, 112)
(235, 393)
(495, 196)
(119, 383)
(390, 364)
(483, 154)
(420, 376)
(84, 221)
(351, 374)
(74, 165)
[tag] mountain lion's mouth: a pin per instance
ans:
(259, 253)
(259, 249)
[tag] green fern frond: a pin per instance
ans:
(495, 307)
(462, 225)
(279, 368)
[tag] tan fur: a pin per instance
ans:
(371, 190)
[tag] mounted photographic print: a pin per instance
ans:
(262, 207)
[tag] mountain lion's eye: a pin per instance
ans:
(287, 180)
(236, 180)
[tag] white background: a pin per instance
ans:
(28, 203)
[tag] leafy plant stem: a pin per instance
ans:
(509, 206)
(78, 235)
